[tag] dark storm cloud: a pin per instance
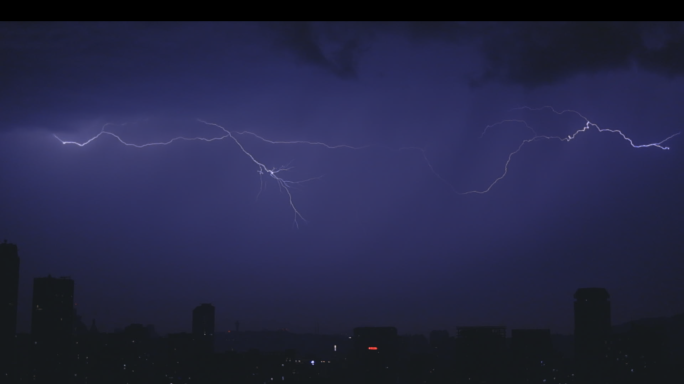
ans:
(664, 48)
(116, 69)
(64, 70)
(109, 69)
(528, 54)
(537, 54)
(545, 53)
(333, 47)
(338, 47)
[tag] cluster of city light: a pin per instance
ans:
(276, 173)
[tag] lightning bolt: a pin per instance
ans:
(285, 185)
(262, 169)
(587, 126)
(274, 172)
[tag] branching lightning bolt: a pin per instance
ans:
(262, 169)
(274, 172)
(286, 185)
(587, 126)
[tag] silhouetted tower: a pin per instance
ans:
(9, 289)
(592, 332)
(52, 326)
(203, 327)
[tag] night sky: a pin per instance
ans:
(149, 233)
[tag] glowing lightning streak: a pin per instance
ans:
(284, 184)
(422, 151)
(293, 142)
(263, 169)
(588, 125)
(273, 172)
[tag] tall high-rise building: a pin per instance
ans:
(203, 327)
(203, 320)
(592, 333)
(9, 289)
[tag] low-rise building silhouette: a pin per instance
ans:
(480, 353)
(532, 357)
(375, 354)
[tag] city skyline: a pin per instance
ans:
(61, 349)
(591, 309)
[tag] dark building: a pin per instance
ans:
(53, 308)
(592, 333)
(535, 343)
(203, 327)
(375, 338)
(52, 328)
(375, 355)
(640, 355)
(532, 357)
(480, 353)
(439, 340)
(9, 289)
(203, 320)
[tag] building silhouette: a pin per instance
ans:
(53, 308)
(52, 327)
(592, 334)
(532, 357)
(9, 289)
(375, 355)
(203, 320)
(203, 328)
(480, 353)
(439, 341)
(640, 354)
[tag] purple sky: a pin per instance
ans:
(148, 234)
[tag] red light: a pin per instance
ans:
(372, 348)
